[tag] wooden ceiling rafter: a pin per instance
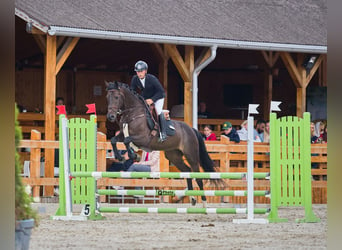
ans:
(178, 61)
(313, 70)
(292, 68)
(270, 57)
(65, 51)
(205, 54)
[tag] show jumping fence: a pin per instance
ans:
(295, 177)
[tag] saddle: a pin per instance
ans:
(153, 124)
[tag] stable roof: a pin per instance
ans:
(283, 25)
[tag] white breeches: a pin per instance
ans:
(159, 106)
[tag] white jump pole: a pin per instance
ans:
(250, 171)
(66, 162)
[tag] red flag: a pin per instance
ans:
(91, 108)
(61, 110)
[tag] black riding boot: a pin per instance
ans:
(162, 125)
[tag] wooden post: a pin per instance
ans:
(49, 104)
(35, 165)
(101, 160)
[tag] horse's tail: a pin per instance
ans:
(205, 160)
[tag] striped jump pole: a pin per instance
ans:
(173, 175)
(182, 192)
(188, 210)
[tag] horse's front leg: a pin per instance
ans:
(131, 154)
(113, 141)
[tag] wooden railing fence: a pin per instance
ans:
(229, 156)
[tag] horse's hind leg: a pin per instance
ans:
(176, 157)
(194, 163)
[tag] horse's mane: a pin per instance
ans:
(118, 85)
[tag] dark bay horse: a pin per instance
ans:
(134, 113)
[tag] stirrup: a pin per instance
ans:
(162, 137)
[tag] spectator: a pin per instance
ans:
(267, 132)
(202, 111)
(259, 131)
(149, 162)
(117, 165)
(209, 134)
(314, 137)
(230, 132)
(243, 134)
(59, 102)
(319, 130)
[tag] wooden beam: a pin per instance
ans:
(178, 61)
(60, 41)
(65, 51)
(40, 40)
(163, 72)
(313, 70)
(323, 72)
(159, 52)
(267, 58)
(292, 69)
(205, 54)
(188, 100)
(301, 101)
(49, 105)
(274, 58)
(35, 31)
(270, 58)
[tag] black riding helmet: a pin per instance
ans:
(140, 66)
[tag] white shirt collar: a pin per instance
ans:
(142, 82)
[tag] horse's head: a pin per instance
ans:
(114, 100)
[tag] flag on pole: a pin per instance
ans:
(252, 109)
(275, 106)
(91, 108)
(61, 110)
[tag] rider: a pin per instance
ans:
(152, 91)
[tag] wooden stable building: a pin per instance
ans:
(227, 54)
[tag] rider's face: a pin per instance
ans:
(141, 74)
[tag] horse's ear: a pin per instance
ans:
(107, 85)
(116, 85)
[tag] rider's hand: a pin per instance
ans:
(149, 101)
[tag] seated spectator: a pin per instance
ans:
(259, 131)
(243, 134)
(314, 137)
(319, 130)
(59, 102)
(149, 162)
(267, 132)
(230, 132)
(202, 111)
(209, 134)
(117, 166)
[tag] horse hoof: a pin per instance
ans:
(193, 201)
